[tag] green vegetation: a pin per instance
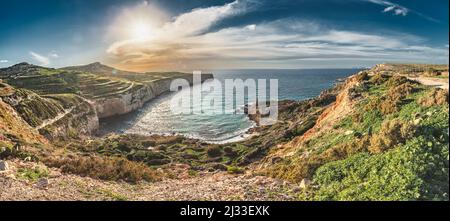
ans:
(235, 170)
(33, 174)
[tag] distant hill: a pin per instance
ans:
(99, 68)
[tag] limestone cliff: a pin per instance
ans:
(135, 98)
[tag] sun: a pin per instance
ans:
(140, 30)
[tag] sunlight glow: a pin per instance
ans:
(140, 31)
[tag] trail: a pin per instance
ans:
(55, 119)
(204, 186)
(436, 82)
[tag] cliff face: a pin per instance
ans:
(79, 118)
(131, 100)
(134, 99)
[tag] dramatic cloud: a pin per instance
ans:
(40, 58)
(186, 42)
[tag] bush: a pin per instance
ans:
(435, 97)
(235, 170)
(214, 152)
(389, 106)
(379, 78)
(364, 76)
(401, 91)
(396, 80)
(391, 134)
(104, 168)
(33, 174)
(393, 100)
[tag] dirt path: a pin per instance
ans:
(437, 82)
(55, 119)
(204, 186)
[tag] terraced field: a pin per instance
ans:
(93, 84)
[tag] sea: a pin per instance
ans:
(157, 116)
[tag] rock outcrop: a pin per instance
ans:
(131, 100)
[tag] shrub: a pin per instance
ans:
(235, 170)
(389, 106)
(297, 169)
(33, 174)
(391, 134)
(396, 80)
(379, 78)
(434, 97)
(104, 168)
(401, 91)
(230, 152)
(393, 100)
(363, 76)
(214, 151)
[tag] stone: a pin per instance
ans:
(42, 183)
(3, 166)
(220, 167)
(305, 183)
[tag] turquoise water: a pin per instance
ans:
(157, 118)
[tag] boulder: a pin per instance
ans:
(3, 166)
(42, 183)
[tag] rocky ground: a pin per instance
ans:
(203, 186)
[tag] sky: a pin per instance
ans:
(174, 35)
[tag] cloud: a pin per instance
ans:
(251, 27)
(186, 43)
(400, 10)
(53, 54)
(4, 61)
(40, 58)
(396, 8)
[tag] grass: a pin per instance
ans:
(32, 174)
(235, 170)
(112, 194)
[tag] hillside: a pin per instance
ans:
(385, 138)
(378, 135)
